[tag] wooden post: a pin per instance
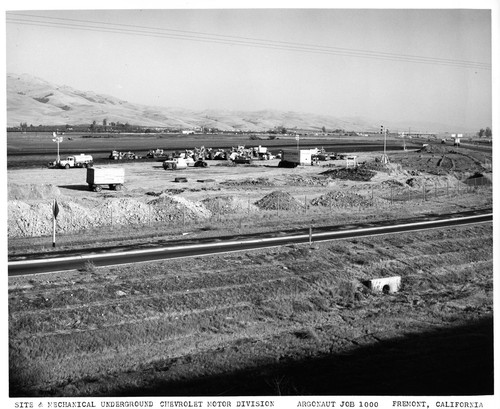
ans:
(310, 235)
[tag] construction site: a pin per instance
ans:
(290, 320)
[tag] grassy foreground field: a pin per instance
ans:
(292, 320)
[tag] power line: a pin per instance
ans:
(234, 40)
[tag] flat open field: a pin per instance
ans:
(37, 149)
(291, 320)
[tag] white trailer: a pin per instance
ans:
(292, 158)
(76, 161)
(97, 178)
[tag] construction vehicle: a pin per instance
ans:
(155, 153)
(97, 178)
(75, 161)
(175, 164)
(184, 162)
(116, 155)
(293, 158)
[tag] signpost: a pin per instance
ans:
(55, 212)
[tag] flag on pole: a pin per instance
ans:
(55, 209)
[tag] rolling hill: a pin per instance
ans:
(38, 102)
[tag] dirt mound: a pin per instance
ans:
(175, 208)
(427, 148)
(29, 192)
(246, 183)
(35, 219)
(227, 204)
(278, 200)
(299, 180)
(360, 174)
(341, 199)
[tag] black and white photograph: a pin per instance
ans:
(250, 205)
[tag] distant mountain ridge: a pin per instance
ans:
(35, 101)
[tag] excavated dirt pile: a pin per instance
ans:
(341, 199)
(228, 204)
(360, 173)
(35, 219)
(248, 183)
(278, 201)
(23, 192)
(299, 180)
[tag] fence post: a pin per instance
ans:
(305, 204)
(391, 194)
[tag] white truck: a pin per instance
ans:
(98, 177)
(291, 158)
(176, 164)
(76, 161)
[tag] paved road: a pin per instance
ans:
(36, 264)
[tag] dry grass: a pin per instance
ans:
(281, 303)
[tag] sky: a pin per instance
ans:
(430, 65)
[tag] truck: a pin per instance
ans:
(97, 178)
(293, 158)
(116, 155)
(76, 161)
(176, 163)
(155, 153)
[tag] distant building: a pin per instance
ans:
(187, 132)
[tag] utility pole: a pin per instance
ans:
(384, 131)
(57, 139)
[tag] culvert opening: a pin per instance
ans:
(386, 289)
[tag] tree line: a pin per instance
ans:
(487, 133)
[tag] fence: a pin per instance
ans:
(227, 214)
(272, 210)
